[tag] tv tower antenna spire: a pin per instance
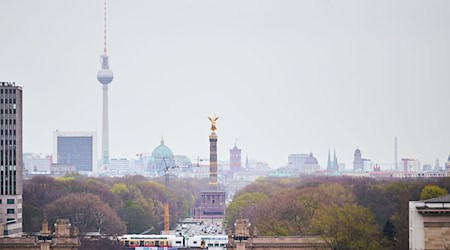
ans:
(104, 31)
(105, 77)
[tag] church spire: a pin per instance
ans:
(335, 162)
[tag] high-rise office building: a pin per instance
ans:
(76, 148)
(11, 159)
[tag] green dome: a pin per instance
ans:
(162, 151)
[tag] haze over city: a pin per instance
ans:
(284, 77)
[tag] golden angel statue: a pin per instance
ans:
(213, 123)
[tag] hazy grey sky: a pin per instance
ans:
(284, 76)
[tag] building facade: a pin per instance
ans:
(76, 148)
(358, 163)
(297, 161)
(235, 159)
(410, 165)
(311, 164)
(64, 238)
(35, 162)
(429, 223)
(11, 161)
(447, 164)
(162, 157)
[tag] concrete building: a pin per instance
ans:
(408, 175)
(35, 162)
(62, 169)
(367, 165)
(76, 148)
(427, 167)
(64, 238)
(235, 159)
(297, 161)
(437, 165)
(246, 236)
(311, 164)
(410, 165)
(11, 158)
(358, 163)
(429, 223)
(447, 164)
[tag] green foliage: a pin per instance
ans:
(347, 226)
(389, 230)
(432, 191)
(87, 212)
(137, 200)
(32, 217)
(294, 207)
(243, 205)
(65, 179)
(120, 189)
(138, 220)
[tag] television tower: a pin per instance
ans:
(105, 77)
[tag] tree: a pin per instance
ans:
(349, 226)
(32, 218)
(389, 233)
(333, 193)
(41, 190)
(243, 205)
(432, 191)
(87, 212)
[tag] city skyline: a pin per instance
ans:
(291, 77)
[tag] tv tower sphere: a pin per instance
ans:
(105, 75)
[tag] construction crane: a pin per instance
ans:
(166, 205)
(200, 160)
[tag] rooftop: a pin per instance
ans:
(440, 199)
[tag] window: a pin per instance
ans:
(9, 211)
(10, 201)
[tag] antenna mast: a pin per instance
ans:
(104, 31)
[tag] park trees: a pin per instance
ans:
(432, 191)
(87, 212)
(243, 206)
(347, 226)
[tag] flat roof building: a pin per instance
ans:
(76, 148)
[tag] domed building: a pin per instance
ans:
(162, 156)
(311, 164)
